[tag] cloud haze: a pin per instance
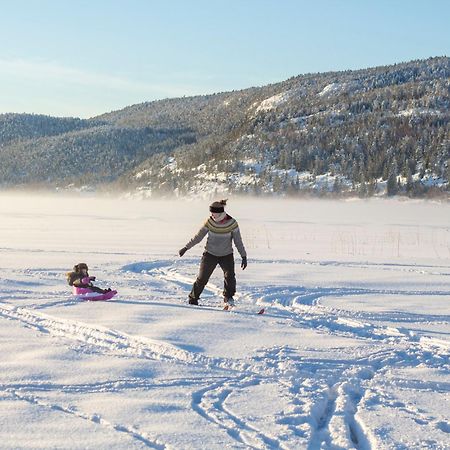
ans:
(72, 88)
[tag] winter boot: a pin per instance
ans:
(193, 301)
(229, 301)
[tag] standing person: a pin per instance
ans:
(222, 231)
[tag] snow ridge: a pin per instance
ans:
(112, 340)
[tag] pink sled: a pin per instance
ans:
(87, 294)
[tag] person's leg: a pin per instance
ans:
(98, 290)
(229, 283)
(207, 266)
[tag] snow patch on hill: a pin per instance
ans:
(276, 100)
(273, 102)
(333, 89)
(419, 112)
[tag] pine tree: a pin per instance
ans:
(409, 181)
(392, 187)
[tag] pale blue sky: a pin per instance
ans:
(82, 58)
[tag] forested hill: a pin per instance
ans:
(379, 129)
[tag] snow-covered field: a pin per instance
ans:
(352, 352)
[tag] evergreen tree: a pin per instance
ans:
(392, 187)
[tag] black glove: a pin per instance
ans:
(92, 278)
(244, 262)
(182, 251)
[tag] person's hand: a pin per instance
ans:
(92, 278)
(244, 262)
(182, 251)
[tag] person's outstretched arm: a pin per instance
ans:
(194, 241)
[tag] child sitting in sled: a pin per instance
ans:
(82, 283)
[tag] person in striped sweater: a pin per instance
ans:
(222, 230)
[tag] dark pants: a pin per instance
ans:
(97, 289)
(207, 265)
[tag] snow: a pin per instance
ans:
(276, 100)
(333, 89)
(419, 112)
(142, 173)
(352, 352)
(273, 102)
(429, 179)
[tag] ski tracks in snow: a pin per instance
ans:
(323, 396)
(331, 421)
(121, 344)
(211, 403)
(114, 341)
(302, 306)
(145, 438)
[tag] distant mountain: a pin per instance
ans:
(56, 151)
(14, 127)
(384, 129)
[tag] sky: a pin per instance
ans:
(86, 57)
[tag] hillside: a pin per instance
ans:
(379, 129)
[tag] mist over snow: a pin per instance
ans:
(352, 351)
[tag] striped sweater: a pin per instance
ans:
(221, 235)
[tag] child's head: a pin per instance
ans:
(80, 268)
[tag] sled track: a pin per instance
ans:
(292, 301)
(330, 421)
(209, 403)
(336, 421)
(115, 342)
(148, 440)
